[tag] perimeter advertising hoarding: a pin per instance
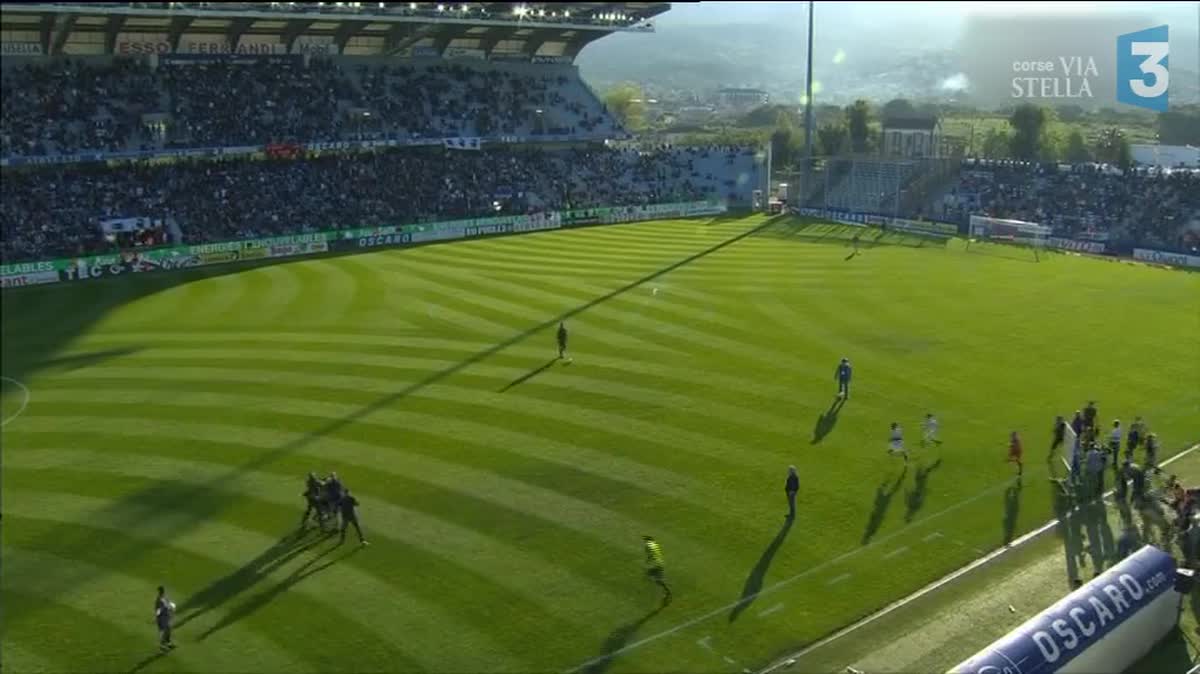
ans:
(182, 257)
(1104, 626)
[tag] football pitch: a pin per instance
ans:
(157, 430)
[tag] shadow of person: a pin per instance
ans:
(915, 499)
(827, 420)
(265, 597)
(1012, 507)
(615, 643)
(754, 581)
(883, 499)
(247, 576)
(531, 374)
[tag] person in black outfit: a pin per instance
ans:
(792, 486)
(333, 491)
(350, 516)
(562, 340)
(312, 496)
(1089, 415)
(1060, 431)
(164, 610)
(1077, 424)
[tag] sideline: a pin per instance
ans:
(878, 542)
(941, 582)
(24, 403)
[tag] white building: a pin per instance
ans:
(915, 136)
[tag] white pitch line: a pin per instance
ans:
(940, 582)
(703, 643)
(24, 402)
(930, 537)
(898, 551)
(730, 660)
(774, 609)
(788, 581)
(837, 579)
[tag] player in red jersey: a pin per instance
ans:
(1015, 451)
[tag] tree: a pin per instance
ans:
(1112, 147)
(1076, 150)
(898, 107)
(783, 140)
(624, 101)
(768, 115)
(831, 139)
(1070, 112)
(1028, 123)
(996, 144)
(858, 121)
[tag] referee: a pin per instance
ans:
(790, 488)
(654, 566)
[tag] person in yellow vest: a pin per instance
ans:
(654, 566)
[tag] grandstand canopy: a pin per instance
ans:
(503, 30)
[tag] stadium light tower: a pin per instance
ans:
(808, 110)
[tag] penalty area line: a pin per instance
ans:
(941, 582)
(24, 401)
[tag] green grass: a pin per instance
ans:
(172, 417)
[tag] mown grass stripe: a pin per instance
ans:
(117, 605)
(549, 583)
(537, 502)
(383, 613)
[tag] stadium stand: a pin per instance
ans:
(1144, 207)
(56, 211)
(68, 106)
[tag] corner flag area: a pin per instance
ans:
(937, 630)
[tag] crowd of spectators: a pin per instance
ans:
(54, 211)
(72, 106)
(68, 106)
(1139, 207)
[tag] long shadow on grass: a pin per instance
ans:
(440, 375)
(1012, 508)
(615, 642)
(883, 499)
(1101, 546)
(530, 375)
(754, 581)
(147, 661)
(244, 578)
(915, 499)
(1070, 530)
(827, 420)
(256, 602)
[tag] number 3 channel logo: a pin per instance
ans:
(1142, 76)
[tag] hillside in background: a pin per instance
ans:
(861, 50)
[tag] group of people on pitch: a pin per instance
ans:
(1089, 456)
(327, 499)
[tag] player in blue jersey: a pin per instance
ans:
(842, 376)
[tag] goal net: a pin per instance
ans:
(1011, 232)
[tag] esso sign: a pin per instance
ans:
(144, 47)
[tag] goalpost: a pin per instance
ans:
(1012, 232)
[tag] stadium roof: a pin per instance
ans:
(501, 29)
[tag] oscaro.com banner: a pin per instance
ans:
(1092, 60)
(1104, 626)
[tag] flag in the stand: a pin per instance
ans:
(461, 143)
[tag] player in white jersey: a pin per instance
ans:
(929, 431)
(896, 442)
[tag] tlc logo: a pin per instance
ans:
(1142, 76)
